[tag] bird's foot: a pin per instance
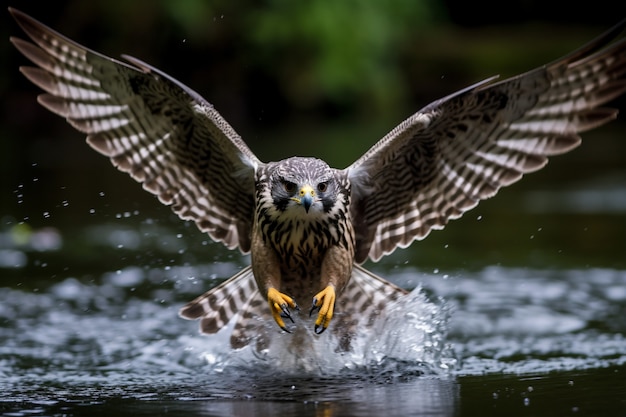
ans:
(324, 302)
(279, 306)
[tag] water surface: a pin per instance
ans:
(492, 340)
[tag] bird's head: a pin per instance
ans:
(303, 186)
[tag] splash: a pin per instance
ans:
(409, 338)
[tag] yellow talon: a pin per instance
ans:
(324, 301)
(279, 306)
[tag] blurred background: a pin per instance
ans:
(313, 78)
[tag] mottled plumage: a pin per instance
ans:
(307, 225)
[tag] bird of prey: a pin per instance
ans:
(306, 225)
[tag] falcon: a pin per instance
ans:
(306, 225)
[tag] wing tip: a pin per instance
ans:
(596, 117)
(193, 310)
(592, 46)
(41, 78)
(31, 26)
(100, 144)
(53, 103)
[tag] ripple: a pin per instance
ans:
(80, 339)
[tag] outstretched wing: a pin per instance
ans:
(444, 159)
(162, 133)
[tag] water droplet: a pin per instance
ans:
(46, 214)
(92, 211)
(479, 218)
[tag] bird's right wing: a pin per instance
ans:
(162, 133)
(463, 148)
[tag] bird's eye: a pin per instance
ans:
(290, 187)
(322, 186)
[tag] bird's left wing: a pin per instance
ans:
(162, 133)
(461, 149)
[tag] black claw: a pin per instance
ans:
(314, 307)
(319, 329)
(285, 329)
(286, 313)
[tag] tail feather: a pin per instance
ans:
(367, 293)
(216, 307)
(252, 318)
(364, 300)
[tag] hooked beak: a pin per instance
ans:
(305, 197)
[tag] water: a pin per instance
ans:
(497, 340)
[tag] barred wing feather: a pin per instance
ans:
(159, 131)
(237, 296)
(461, 149)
